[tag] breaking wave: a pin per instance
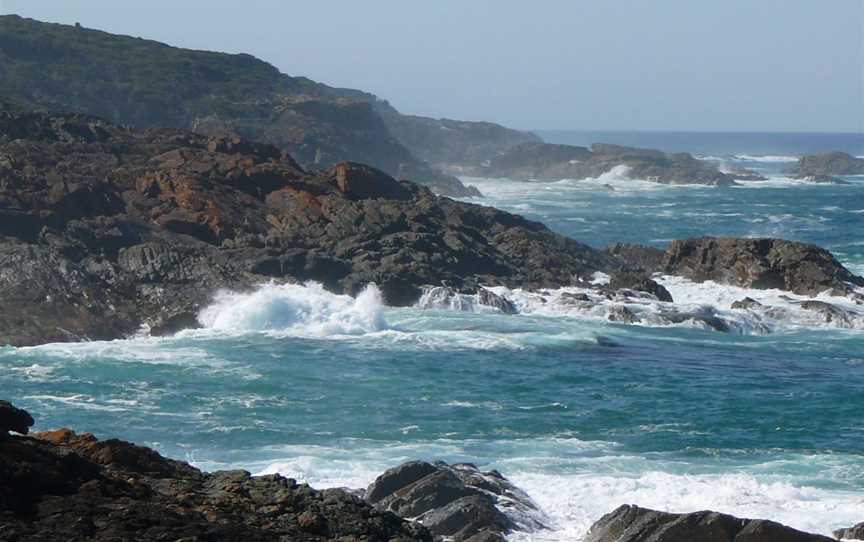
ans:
(297, 310)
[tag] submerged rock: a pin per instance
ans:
(456, 501)
(445, 297)
(633, 524)
(760, 263)
(62, 486)
(746, 303)
(831, 313)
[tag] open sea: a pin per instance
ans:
(584, 414)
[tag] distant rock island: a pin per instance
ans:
(550, 162)
(827, 167)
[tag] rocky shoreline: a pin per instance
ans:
(61, 486)
(106, 231)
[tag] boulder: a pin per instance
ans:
(631, 523)
(14, 419)
(639, 281)
(760, 263)
(456, 501)
(746, 303)
(851, 533)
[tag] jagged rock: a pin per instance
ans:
(759, 263)
(649, 259)
(620, 313)
(61, 486)
(14, 419)
(456, 501)
(489, 298)
(746, 303)
(639, 281)
(142, 228)
(633, 524)
(467, 299)
(851, 533)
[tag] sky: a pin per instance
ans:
(706, 65)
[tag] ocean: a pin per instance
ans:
(584, 414)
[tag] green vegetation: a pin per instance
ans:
(132, 80)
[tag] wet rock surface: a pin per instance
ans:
(456, 501)
(760, 263)
(633, 524)
(827, 166)
(62, 486)
(851, 533)
(105, 229)
(13, 419)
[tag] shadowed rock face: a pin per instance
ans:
(550, 162)
(62, 486)
(760, 263)
(104, 229)
(456, 501)
(13, 419)
(633, 524)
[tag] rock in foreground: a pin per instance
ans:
(14, 419)
(61, 486)
(456, 501)
(633, 524)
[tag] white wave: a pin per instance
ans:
(706, 305)
(296, 310)
(782, 182)
(769, 158)
(576, 482)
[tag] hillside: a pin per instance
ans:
(148, 84)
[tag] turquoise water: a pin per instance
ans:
(582, 413)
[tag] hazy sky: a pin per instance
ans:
(781, 65)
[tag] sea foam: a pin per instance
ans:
(296, 310)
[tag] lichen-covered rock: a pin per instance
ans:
(61, 486)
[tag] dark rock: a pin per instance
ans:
(14, 419)
(759, 263)
(851, 533)
(176, 217)
(828, 165)
(489, 298)
(831, 313)
(650, 259)
(456, 501)
(746, 303)
(546, 161)
(639, 281)
(61, 486)
(633, 524)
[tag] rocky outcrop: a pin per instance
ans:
(827, 166)
(639, 281)
(61, 486)
(104, 230)
(14, 419)
(456, 501)
(633, 524)
(650, 259)
(851, 533)
(760, 263)
(543, 161)
(445, 297)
